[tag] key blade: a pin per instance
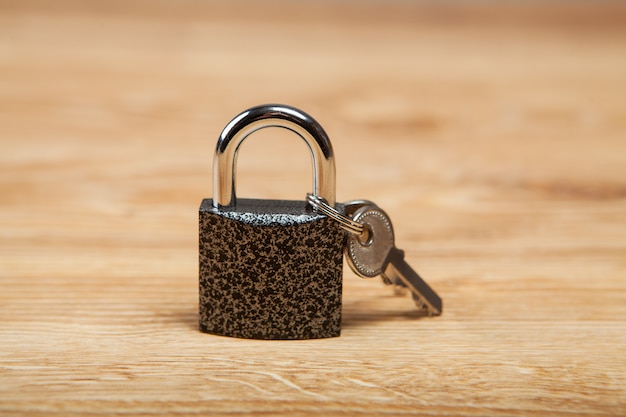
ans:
(398, 268)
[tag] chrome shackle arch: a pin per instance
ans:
(272, 115)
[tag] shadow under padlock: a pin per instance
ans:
(270, 269)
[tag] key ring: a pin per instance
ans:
(344, 221)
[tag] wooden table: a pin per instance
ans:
(494, 135)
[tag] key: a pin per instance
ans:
(396, 271)
(350, 207)
(374, 253)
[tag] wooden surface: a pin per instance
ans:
(494, 135)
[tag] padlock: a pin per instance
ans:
(270, 269)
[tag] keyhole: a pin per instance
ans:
(366, 239)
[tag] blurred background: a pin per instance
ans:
(438, 111)
(475, 124)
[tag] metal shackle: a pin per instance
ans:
(272, 115)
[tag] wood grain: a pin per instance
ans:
(494, 135)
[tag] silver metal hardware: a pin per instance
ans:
(379, 256)
(272, 115)
(346, 223)
(350, 207)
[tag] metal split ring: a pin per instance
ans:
(346, 223)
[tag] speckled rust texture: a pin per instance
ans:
(270, 270)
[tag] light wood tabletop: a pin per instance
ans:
(493, 134)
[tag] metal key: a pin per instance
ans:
(350, 207)
(369, 257)
(374, 253)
